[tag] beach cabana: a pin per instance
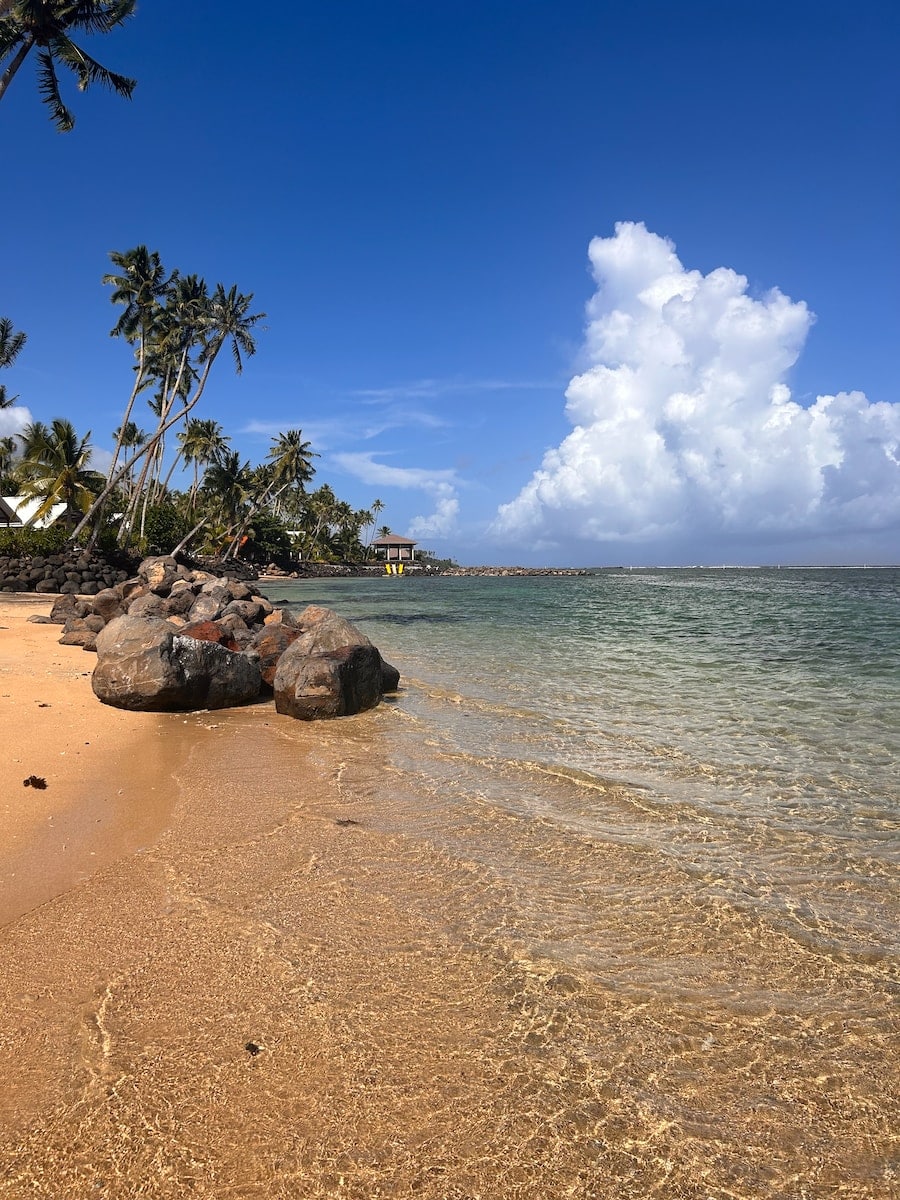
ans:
(394, 548)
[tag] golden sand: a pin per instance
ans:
(221, 976)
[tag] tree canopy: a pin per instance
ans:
(47, 27)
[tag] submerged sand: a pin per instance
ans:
(221, 978)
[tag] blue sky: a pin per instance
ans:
(517, 261)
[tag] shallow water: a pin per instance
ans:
(752, 717)
(602, 904)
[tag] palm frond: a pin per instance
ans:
(88, 70)
(48, 86)
(11, 35)
(93, 17)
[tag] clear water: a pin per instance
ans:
(752, 718)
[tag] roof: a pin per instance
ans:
(8, 514)
(22, 510)
(393, 540)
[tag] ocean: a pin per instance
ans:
(674, 792)
(742, 725)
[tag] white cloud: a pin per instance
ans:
(101, 459)
(684, 427)
(441, 484)
(13, 420)
(363, 466)
(442, 522)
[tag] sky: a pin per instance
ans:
(560, 283)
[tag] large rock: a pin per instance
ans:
(337, 683)
(330, 669)
(159, 573)
(268, 644)
(143, 665)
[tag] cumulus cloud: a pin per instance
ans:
(684, 428)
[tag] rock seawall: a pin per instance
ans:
(69, 572)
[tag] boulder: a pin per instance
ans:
(144, 665)
(248, 610)
(268, 644)
(390, 677)
(322, 629)
(329, 669)
(335, 683)
(179, 603)
(62, 609)
(159, 573)
(210, 631)
(281, 616)
(209, 604)
(85, 638)
(108, 604)
(147, 605)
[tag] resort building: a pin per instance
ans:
(395, 549)
(16, 512)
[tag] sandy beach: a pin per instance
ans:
(224, 975)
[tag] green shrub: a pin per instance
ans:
(164, 528)
(32, 541)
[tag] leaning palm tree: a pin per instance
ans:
(11, 342)
(53, 469)
(48, 25)
(222, 319)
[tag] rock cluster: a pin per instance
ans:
(69, 573)
(175, 639)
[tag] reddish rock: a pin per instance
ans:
(209, 631)
(268, 645)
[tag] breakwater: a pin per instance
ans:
(515, 571)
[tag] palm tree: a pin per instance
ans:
(227, 487)
(290, 466)
(202, 443)
(7, 459)
(372, 515)
(53, 469)
(48, 24)
(11, 343)
(139, 288)
(215, 321)
(128, 436)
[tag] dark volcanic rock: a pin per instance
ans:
(143, 665)
(330, 669)
(336, 683)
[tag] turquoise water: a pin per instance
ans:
(751, 717)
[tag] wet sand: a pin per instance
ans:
(254, 988)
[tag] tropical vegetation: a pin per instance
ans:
(49, 27)
(177, 328)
